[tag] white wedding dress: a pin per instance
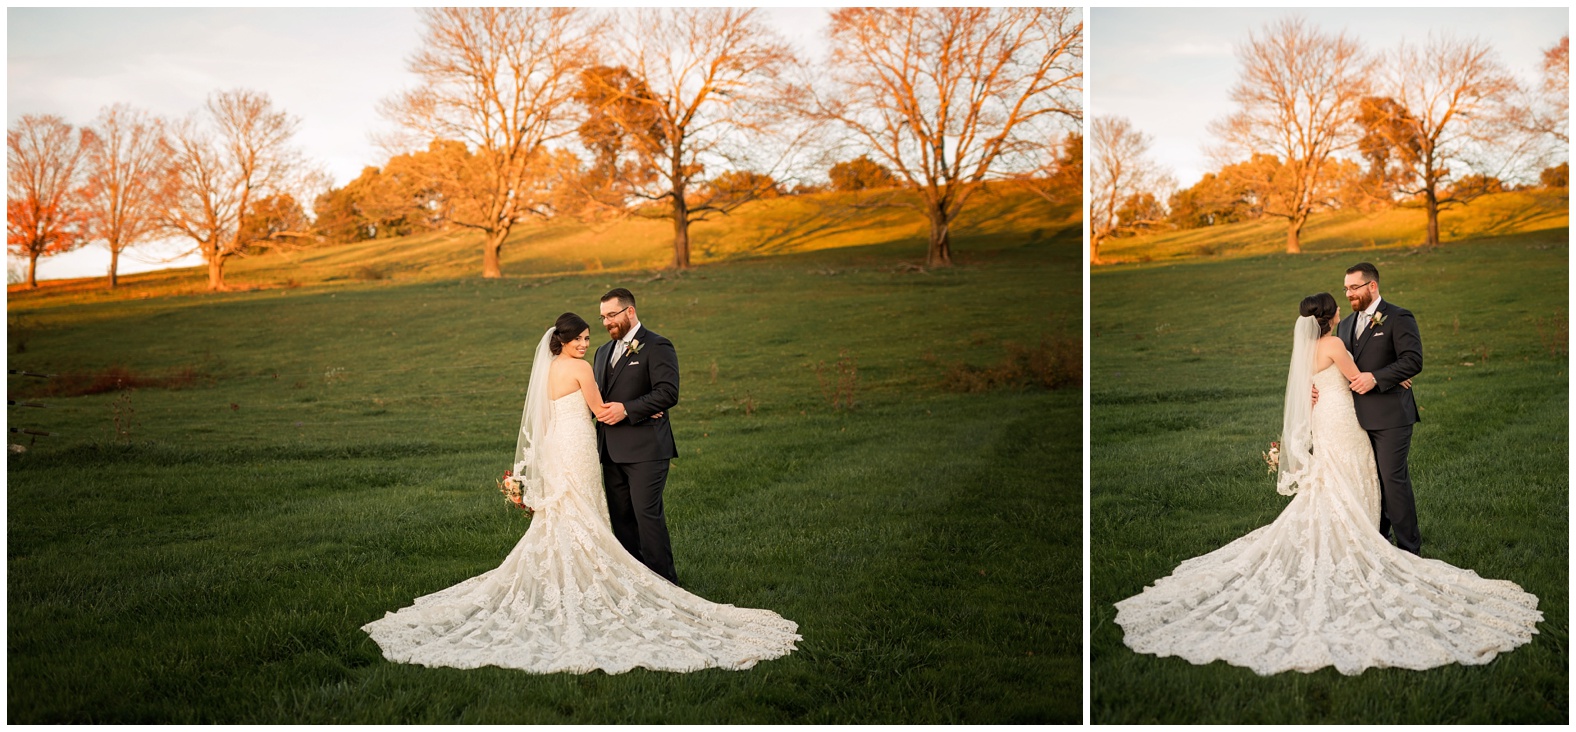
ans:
(570, 598)
(1321, 587)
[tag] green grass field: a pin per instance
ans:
(206, 550)
(1188, 366)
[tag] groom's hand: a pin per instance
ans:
(1363, 383)
(1315, 395)
(613, 414)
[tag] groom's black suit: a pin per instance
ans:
(636, 451)
(1393, 353)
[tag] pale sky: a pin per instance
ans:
(1170, 71)
(329, 67)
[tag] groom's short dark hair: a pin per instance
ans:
(1370, 272)
(625, 297)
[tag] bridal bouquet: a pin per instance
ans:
(1272, 457)
(511, 491)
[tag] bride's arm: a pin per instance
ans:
(588, 388)
(1336, 351)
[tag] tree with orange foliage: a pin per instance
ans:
(44, 213)
(860, 174)
(127, 177)
(501, 81)
(273, 219)
(222, 168)
(948, 97)
(1297, 100)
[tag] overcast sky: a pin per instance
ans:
(1170, 71)
(329, 67)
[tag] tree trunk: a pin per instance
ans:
(1432, 198)
(32, 271)
(1094, 249)
(492, 250)
(940, 252)
(681, 242)
(1293, 236)
(216, 273)
(114, 267)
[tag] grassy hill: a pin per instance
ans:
(1496, 215)
(298, 461)
(1188, 367)
(784, 225)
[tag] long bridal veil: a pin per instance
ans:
(533, 424)
(1296, 443)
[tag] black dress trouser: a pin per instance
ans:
(1398, 511)
(634, 503)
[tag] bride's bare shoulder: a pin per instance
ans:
(569, 364)
(1331, 346)
(575, 368)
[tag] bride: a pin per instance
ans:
(1321, 586)
(569, 597)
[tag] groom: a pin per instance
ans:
(1383, 339)
(638, 374)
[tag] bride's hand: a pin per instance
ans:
(1406, 384)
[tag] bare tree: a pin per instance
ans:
(220, 173)
(1120, 174)
(948, 97)
(696, 98)
(43, 206)
(501, 80)
(127, 177)
(1449, 115)
(1298, 100)
(1557, 89)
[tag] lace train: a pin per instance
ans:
(1321, 587)
(569, 598)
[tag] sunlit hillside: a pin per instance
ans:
(1495, 215)
(763, 228)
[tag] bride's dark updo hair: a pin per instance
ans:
(1323, 308)
(568, 328)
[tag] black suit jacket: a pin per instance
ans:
(646, 383)
(1393, 353)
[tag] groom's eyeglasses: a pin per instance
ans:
(1354, 288)
(614, 314)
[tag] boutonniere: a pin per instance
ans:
(1378, 319)
(634, 346)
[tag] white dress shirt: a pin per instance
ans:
(1366, 316)
(622, 344)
